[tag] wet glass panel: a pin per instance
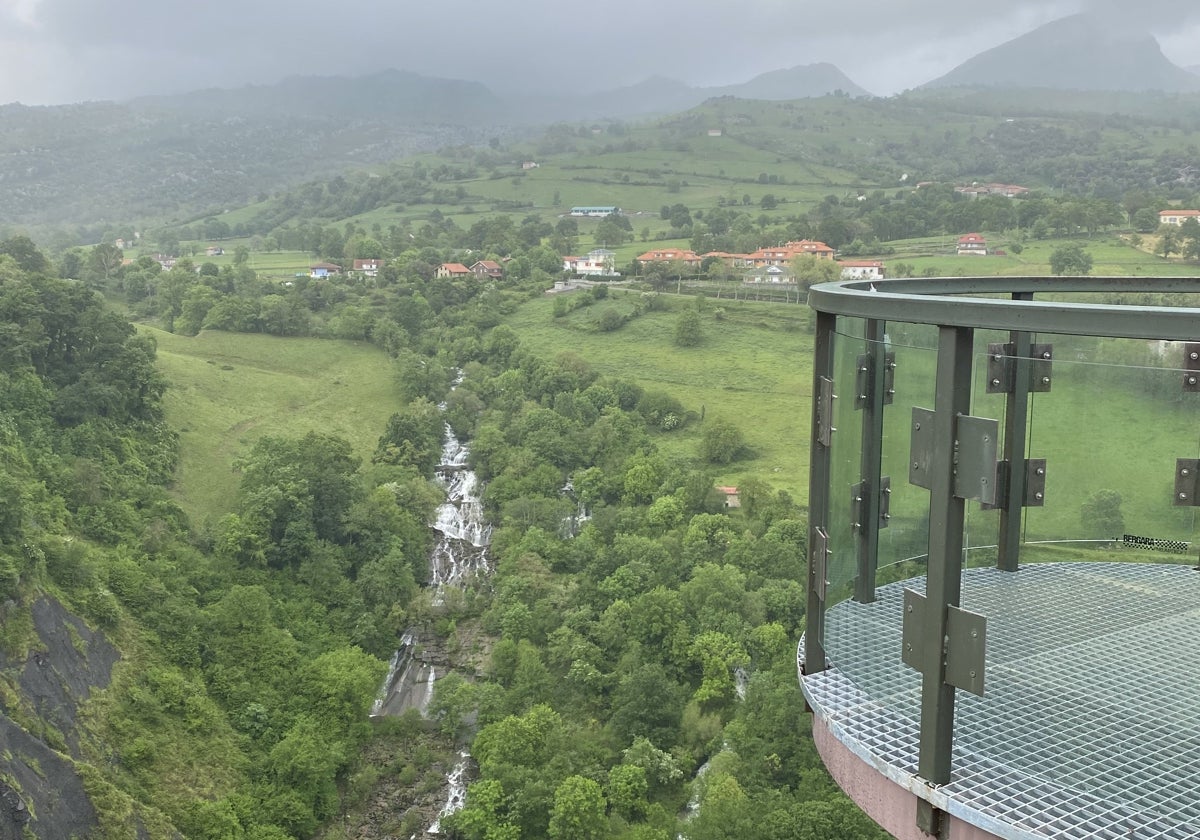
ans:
(907, 536)
(845, 455)
(1111, 428)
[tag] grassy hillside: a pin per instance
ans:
(228, 390)
(753, 368)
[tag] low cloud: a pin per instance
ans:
(79, 49)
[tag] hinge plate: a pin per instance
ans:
(825, 398)
(975, 458)
(921, 448)
(1187, 482)
(863, 378)
(1035, 484)
(818, 567)
(1191, 366)
(1002, 369)
(966, 649)
(966, 643)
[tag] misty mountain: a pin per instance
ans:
(659, 95)
(386, 95)
(1080, 52)
(800, 82)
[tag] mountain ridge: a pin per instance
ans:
(1078, 52)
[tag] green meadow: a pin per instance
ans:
(227, 390)
(753, 367)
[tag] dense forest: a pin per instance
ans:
(247, 653)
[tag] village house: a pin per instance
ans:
(1006, 190)
(770, 274)
(595, 212)
(1177, 217)
(670, 255)
(972, 243)
(529, 164)
(597, 262)
(367, 267)
(214, 251)
(487, 268)
(324, 270)
(452, 270)
(732, 498)
(861, 269)
(784, 254)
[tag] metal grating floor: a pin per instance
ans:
(1090, 723)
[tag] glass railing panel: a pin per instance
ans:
(904, 543)
(845, 455)
(1116, 418)
(982, 526)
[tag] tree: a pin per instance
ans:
(1070, 258)
(1101, 515)
(578, 812)
(688, 331)
(810, 270)
(721, 442)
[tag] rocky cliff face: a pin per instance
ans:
(42, 685)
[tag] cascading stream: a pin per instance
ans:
(459, 555)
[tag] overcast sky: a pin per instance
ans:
(58, 51)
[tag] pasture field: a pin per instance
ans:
(754, 368)
(227, 390)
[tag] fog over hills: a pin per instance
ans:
(1080, 52)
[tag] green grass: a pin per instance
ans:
(228, 390)
(754, 368)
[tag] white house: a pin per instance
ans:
(597, 262)
(1177, 217)
(861, 269)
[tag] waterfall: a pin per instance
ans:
(460, 550)
(459, 554)
(456, 795)
(741, 678)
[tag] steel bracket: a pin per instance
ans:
(1191, 366)
(1002, 368)
(1035, 484)
(921, 448)
(975, 448)
(825, 398)
(858, 502)
(976, 445)
(819, 562)
(1187, 482)
(965, 646)
(864, 376)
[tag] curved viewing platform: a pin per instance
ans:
(1004, 606)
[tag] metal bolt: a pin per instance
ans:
(974, 635)
(1045, 354)
(916, 465)
(996, 357)
(1038, 496)
(886, 517)
(917, 426)
(995, 383)
(909, 608)
(1045, 380)
(972, 674)
(1183, 496)
(1191, 380)
(1041, 471)
(1194, 356)
(1183, 471)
